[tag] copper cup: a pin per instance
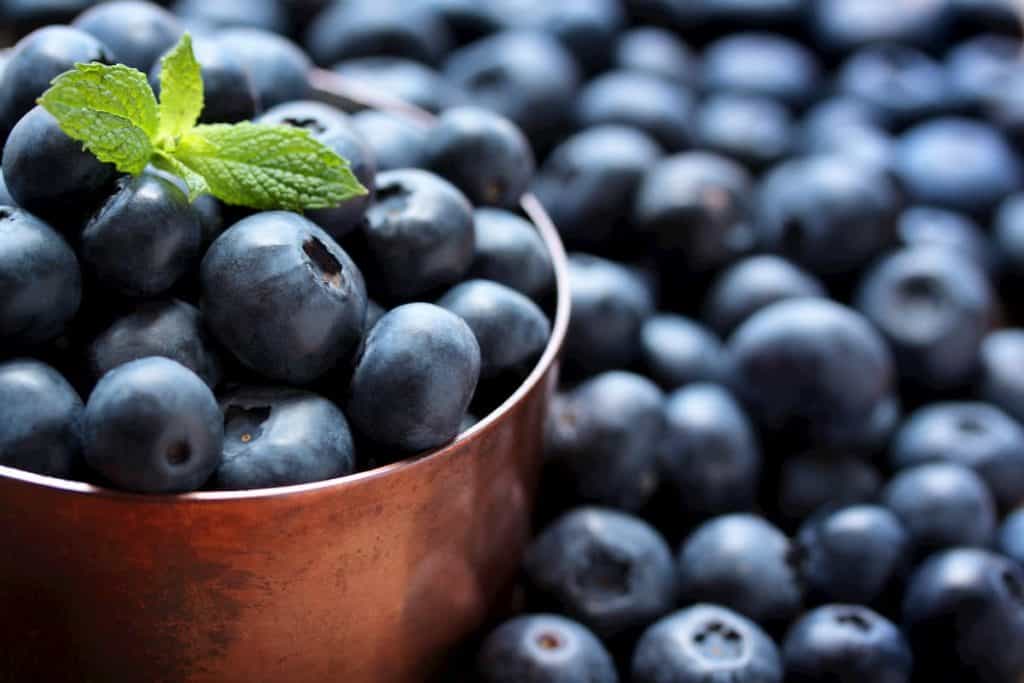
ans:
(369, 578)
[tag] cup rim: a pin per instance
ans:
(330, 85)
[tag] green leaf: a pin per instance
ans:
(111, 110)
(195, 183)
(268, 167)
(181, 90)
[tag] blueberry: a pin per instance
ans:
(841, 25)
(1000, 381)
(40, 424)
(942, 505)
(365, 28)
(846, 644)
(544, 648)
(526, 76)
(588, 181)
(901, 83)
(418, 236)
(957, 163)
(981, 67)
(604, 439)
(1011, 536)
(283, 297)
(49, 174)
(705, 643)
(813, 481)
(695, 208)
(762, 64)
(934, 306)
(742, 562)
(39, 278)
(277, 66)
(826, 213)
(964, 616)
(609, 304)
(143, 239)
(931, 226)
(754, 130)
(856, 554)
(509, 250)
(711, 460)
(676, 351)
(152, 426)
(611, 571)
(280, 436)
(394, 141)
(403, 78)
(331, 127)
(423, 358)
(751, 284)
(164, 327)
(811, 365)
(267, 15)
(511, 329)
(656, 51)
(483, 154)
(656, 106)
(584, 27)
(975, 435)
(37, 59)
(135, 32)
(229, 91)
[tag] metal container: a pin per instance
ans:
(365, 578)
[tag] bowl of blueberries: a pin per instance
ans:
(290, 389)
(250, 429)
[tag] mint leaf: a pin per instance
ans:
(268, 167)
(181, 92)
(111, 110)
(195, 183)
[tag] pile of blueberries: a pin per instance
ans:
(223, 348)
(789, 442)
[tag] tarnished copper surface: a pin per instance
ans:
(363, 579)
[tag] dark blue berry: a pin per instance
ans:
(544, 648)
(152, 426)
(511, 329)
(40, 423)
(164, 327)
(942, 505)
(964, 617)
(483, 154)
(656, 106)
(855, 554)
(39, 278)
(283, 297)
(742, 562)
(846, 644)
(280, 436)
(604, 439)
(509, 250)
(135, 32)
(611, 571)
(676, 351)
(424, 359)
(711, 461)
(705, 643)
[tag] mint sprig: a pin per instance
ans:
(113, 112)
